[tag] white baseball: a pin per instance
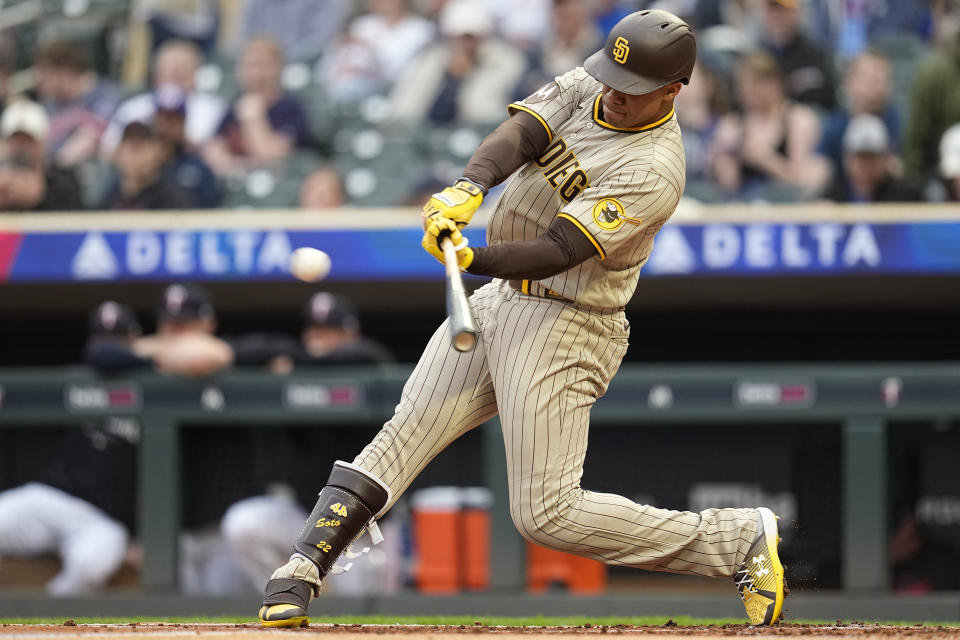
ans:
(309, 264)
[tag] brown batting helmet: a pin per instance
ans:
(645, 51)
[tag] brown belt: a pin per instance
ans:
(530, 289)
(538, 291)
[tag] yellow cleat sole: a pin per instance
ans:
(773, 541)
(293, 621)
(301, 621)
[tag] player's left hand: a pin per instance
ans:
(458, 203)
(437, 228)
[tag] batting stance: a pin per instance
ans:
(599, 169)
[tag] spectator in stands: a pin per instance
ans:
(176, 63)
(184, 168)
(700, 106)
(395, 33)
(522, 24)
(934, 106)
(374, 50)
(79, 102)
(351, 72)
(84, 507)
(424, 188)
(196, 21)
(869, 166)
(771, 141)
(154, 23)
(950, 163)
(306, 28)
(264, 124)
(572, 38)
(607, 13)
(866, 89)
(322, 189)
(27, 182)
(141, 181)
(7, 68)
(848, 27)
(466, 79)
(807, 69)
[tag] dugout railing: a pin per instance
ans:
(860, 398)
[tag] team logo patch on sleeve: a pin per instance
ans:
(608, 213)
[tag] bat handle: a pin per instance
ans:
(463, 332)
(450, 261)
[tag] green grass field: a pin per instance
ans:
(492, 621)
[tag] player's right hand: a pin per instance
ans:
(458, 203)
(438, 228)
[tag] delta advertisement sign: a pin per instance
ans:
(394, 254)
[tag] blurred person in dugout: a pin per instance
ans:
(27, 181)
(870, 168)
(866, 89)
(141, 181)
(769, 142)
(176, 63)
(264, 124)
(259, 528)
(83, 508)
(79, 102)
(464, 79)
(330, 335)
(183, 344)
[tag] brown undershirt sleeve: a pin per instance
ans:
(510, 146)
(563, 246)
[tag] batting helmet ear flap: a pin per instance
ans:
(644, 52)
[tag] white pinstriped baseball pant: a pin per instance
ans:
(541, 364)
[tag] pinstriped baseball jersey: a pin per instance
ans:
(618, 186)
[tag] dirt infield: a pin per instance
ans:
(669, 631)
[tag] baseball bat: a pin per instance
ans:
(463, 331)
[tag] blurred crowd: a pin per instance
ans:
(160, 104)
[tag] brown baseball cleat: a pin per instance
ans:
(760, 578)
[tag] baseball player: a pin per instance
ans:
(597, 168)
(83, 507)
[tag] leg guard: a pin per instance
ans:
(347, 505)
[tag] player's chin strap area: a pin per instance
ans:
(347, 505)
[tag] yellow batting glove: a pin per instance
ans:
(458, 203)
(438, 227)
